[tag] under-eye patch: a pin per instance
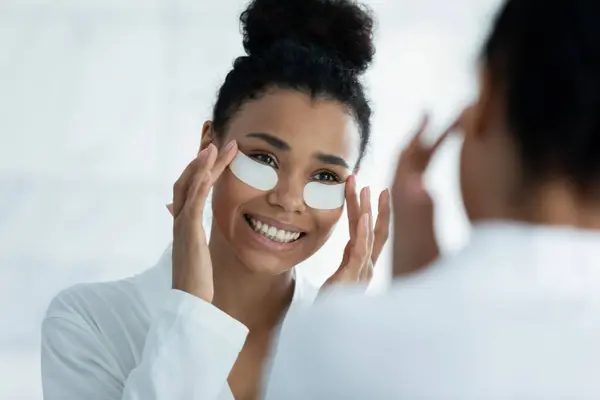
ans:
(324, 197)
(253, 173)
(263, 177)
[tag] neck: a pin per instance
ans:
(257, 300)
(555, 204)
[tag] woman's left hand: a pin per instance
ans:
(365, 244)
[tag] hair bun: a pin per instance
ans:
(340, 27)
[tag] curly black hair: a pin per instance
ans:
(545, 56)
(319, 47)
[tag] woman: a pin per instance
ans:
(515, 314)
(290, 127)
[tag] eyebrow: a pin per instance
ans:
(272, 140)
(331, 159)
(282, 145)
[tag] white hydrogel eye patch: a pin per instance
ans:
(253, 173)
(324, 197)
(263, 177)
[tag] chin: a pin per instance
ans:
(261, 263)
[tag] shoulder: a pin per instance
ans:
(347, 332)
(428, 303)
(105, 323)
(449, 297)
(350, 305)
(114, 302)
(102, 313)
(89, 301)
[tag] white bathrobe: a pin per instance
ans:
(515, 315)
(137, 339)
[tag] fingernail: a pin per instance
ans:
(230, 145)
(388, 195)
(202, 154)
(210, 149)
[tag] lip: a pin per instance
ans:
(277, 224)
(264, 242)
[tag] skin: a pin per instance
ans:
(493, 184)
(235, 272)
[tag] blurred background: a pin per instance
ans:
(101, 106)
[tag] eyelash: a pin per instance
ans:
(333, 178)
(268, 159)
(261, 156)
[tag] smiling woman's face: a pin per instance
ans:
(304, 140)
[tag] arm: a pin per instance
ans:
(189, 351)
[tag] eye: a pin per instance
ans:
(327, 177)
(264, 159)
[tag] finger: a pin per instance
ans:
(427, 153)
(182, 185)
(359, 253)
(412, 152)
(346, 254)
(224, 159)
(421, 155)
(452, 127)
(345, 258)
(198, 190)
(353, 206)
(211, 157)
(367, 272)
(382, 226)
(367, 209)
(416, 143)
(198, 193)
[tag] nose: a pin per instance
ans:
(288, 195)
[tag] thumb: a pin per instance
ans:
(416, 189)
(355, 256)
(170, 208)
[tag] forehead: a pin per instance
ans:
(307, 125)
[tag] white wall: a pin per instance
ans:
(101, 104)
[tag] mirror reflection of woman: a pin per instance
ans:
(289, 130)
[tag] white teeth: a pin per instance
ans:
(277, 235)
(280, 235)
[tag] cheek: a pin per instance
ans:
(326, 222)
(228, 195)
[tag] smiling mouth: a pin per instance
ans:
(271, 232)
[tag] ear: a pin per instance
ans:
(207, 135)
(478, 118)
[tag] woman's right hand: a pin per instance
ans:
(192, 266)
(415, 243)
